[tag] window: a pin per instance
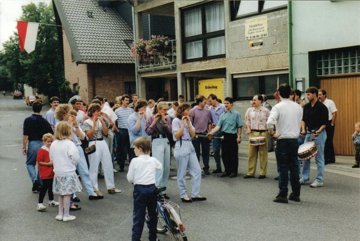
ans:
(335, 62)
(245, 8)
(203, 32)
(246, 87)
(130, 87)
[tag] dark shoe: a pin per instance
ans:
(166, 196)
(281, 199)
(206, 172)
(356, 166)
(186, 200)
(96, 197)
(75, 200)
(232, 175)
(276, 178)
(198, 198)
(36, 187)
(262, 177)
(294, 198)
(75, 207)
(248, 176)
(217, 171)
(224, 174)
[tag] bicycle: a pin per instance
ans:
(168, 218)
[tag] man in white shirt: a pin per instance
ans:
(330, 126)
(286, 116)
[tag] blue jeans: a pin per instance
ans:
(205, 149)
(319, 158)
(216, 149)
(144, 199)
(287, 160)
(33, 147)
(161, 151)
(83, 171)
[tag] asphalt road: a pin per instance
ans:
(237, 209)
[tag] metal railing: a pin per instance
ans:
(164, 59)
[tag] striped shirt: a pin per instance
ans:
(123, 116)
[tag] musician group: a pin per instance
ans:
(299, 130)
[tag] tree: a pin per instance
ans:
(43, 68)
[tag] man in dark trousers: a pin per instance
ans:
(230, 123)
(34, 128)
(286, 117)
(330, 126)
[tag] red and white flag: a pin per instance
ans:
(27, 35)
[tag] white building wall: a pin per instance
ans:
(321, 25)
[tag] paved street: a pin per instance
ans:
(237, 209)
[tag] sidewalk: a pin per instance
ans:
(343, 165)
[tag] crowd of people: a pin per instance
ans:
(101, 138)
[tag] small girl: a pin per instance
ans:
(46, 173)
(356, 140)
(65, 156)
(142, 172)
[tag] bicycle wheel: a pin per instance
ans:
(176, 226)
(177, 235)
(161, 227)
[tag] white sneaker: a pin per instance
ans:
(53, 203)
(316, 183)
(69, 218)
(59, 217)
(114, 170)
(41, 207)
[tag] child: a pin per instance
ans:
(142, 172)
(46, 173)
(65, 156)
(356, 140)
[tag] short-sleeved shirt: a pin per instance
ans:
(200, 118)
(88, 124)
(123, 116)
(46, 172)
(176, 125)
(315, 116)
(35, 127)
(230, 122)
(330, 104)
(256, 118)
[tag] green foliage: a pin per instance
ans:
(43, 68)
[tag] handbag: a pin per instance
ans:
(90, 149)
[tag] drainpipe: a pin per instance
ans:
(290, 44)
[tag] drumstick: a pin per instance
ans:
(205, 136)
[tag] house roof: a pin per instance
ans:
(96, 34)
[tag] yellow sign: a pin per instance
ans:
(212, 86)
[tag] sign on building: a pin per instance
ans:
(256, 28)
(212, 86)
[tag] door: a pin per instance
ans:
(345, 92)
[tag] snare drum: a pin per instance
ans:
(307, 150)
(257, 141)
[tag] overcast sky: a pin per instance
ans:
(10, 11)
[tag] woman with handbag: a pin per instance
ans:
(95, 129)
(158, 126)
